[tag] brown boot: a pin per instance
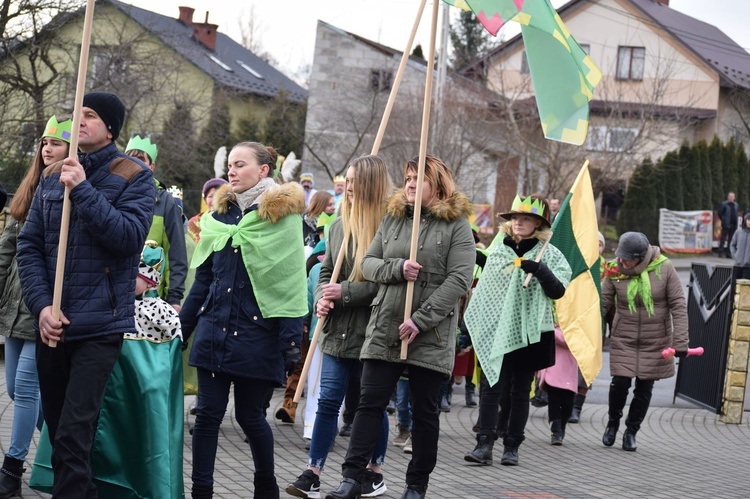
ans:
(287, 411)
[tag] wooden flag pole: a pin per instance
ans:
(345, 242)
(420, 168)
(62, 247)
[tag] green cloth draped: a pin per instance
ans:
(273, 254)
(502, 316)
(640, 285)
(137, 450)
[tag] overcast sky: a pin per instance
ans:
(286, 28)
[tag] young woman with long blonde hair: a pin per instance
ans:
(347, 305)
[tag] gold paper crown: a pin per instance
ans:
(528, 205)
(339, 179)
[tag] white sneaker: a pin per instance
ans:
(407, 446)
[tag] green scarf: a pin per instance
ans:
(640, 285)
(273, 254)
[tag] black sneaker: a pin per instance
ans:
(307, 485)
(373, 484)
(346, 430)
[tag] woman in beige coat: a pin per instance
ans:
(650, 315)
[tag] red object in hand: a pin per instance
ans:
(668, 353)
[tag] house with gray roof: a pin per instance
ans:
(668, 78)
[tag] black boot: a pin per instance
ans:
(414, 492)
(510, 456)
(558, 433)
(265, 486)
(445, 395)
(610, 434)
(575, 416)
(10, 477)
(471, 398)
(202, 492)
(628, 441)
(482, 453)
(349, 488)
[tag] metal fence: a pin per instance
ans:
(710, 305)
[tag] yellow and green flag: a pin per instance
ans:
(563, 75)
(579, 312)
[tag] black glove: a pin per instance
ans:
(291, 359)
(680, 354)
(529, 266)
(464, 341)
(551, 285)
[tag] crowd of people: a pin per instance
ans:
(239, 288)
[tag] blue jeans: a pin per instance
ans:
(403, 407)
(334, 379)
(23, 388)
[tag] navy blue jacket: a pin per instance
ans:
(109, 218)
(231, 334)
(729, 211)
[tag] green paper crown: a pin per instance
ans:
(145, 145)
(528, 205)
(58, 129)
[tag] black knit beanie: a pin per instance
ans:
(109, 108)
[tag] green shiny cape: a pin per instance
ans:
(137, 450)
(274, 258)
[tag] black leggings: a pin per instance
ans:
(560, 403)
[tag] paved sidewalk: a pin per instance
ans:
(683, 452)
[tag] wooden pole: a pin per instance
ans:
(420, 168)
(375, 148)
(62, 247)
(538, 259)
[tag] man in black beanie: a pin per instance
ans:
(112, 203)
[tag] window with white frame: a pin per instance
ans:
(620, 139)
(596, 140)
(630, 62)
(610, 139)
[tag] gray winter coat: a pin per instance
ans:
(740, 245)
(15, 318)
(447, 254)
(344, 331)
(637, 338)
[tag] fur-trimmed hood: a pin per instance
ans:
(276, 203)
(455, 207)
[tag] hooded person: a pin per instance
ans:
(141, 419)
(166, 227)
(511, 325)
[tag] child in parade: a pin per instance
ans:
(511, 325)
